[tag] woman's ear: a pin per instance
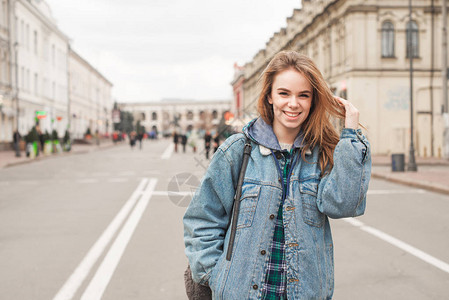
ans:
(269, 100)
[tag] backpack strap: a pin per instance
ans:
(238, 194)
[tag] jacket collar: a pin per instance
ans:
(262, 133)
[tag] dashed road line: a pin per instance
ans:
(400, 244)
(168, 152)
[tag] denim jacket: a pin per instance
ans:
(309, 201)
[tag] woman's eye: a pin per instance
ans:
(304, 96)
(283, 93)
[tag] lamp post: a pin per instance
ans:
(411, 160)
(444, 83)
(16, 96)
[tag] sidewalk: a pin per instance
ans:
(9, 159)
(432, 174)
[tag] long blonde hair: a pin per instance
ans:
(317, 128)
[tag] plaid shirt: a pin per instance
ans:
(274, 287)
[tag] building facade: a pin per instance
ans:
(182, 115)
(7, 112)
(41, 66)
(90, 98)
(361, 49)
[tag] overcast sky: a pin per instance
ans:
(155, 49)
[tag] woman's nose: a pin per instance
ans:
(293, 102)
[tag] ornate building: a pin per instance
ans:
(184, 115)
(361, 49)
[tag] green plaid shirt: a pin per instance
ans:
(274, 287)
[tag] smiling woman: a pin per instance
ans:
(299, 174)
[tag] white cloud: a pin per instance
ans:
(153, 49)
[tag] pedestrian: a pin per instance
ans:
(193, 140)
(175, 140)
(183, 142)
(216, 142)
(299, 173)
(139, 138)
(207, 141)
(132, 139)
(16, 139)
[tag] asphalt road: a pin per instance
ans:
(108, 225)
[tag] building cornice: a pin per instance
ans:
(35, 11)
(88, 65)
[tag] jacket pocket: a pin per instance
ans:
(248, 204)
(310, 212)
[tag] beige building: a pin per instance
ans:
(7, 104)
(90, 98)
(361, 49)
(174, 114)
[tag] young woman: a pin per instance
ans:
(300, 172)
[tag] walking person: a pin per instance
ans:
(175, 140)
(183, 142)
(300, 173)
(207, 141)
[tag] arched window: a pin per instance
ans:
(142, 116)
(189, 115)
(214, 114)
(154, 116)
(387, 39)
(412, 39)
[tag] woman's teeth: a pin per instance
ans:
(291, 114)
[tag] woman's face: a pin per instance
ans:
(291, 97)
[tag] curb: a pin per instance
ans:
(23, 162)
(422, 185)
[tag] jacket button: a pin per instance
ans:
(271, 217)
(255, 286)
(263, 252)
(278, 155)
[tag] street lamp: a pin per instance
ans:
(16, 96)
(411, 160)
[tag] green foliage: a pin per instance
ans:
(46, 136)
(66, 138)
(126, 122)
(33, 136)
(88, 132)
(139, 128)
(54, 135)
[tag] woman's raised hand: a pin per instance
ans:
(352, 113)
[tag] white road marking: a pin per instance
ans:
(79, 275)
(167, 193)
(400, 244)
(168, 152)
(387, 192)
(104, 273)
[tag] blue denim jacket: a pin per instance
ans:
(309, 202)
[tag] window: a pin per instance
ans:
(387, 39)
(35, 42)
(35, 84)
(189, 115)
(412, 39)
(214, 114)
(154, 116)
(27, 37)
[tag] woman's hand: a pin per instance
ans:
(352, 113)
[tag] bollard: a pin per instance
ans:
(398, 162)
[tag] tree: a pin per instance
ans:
(126, 122)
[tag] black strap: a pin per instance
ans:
(238, 194)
